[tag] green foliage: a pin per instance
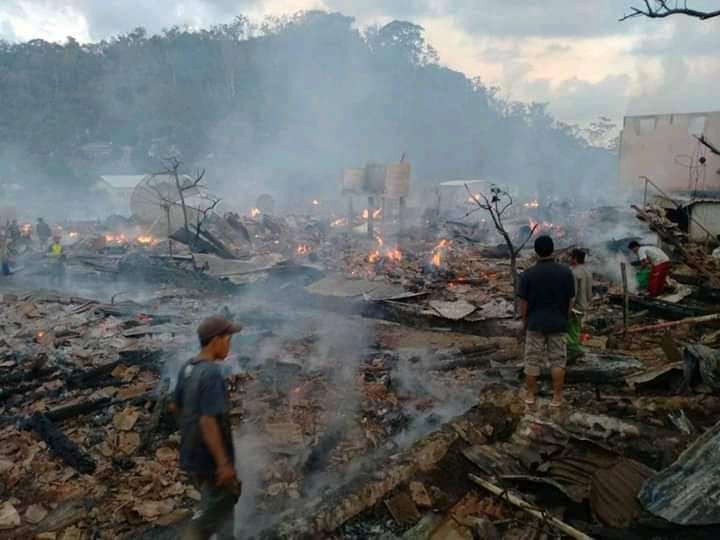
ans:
(293, 99)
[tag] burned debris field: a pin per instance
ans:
(274, 276)
(375, 388)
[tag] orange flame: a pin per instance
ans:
(376, 214)
(303, 249)
(339, 222)
(316, 202)
(438, 252)
(255, 212)
(146, 240)
(116, 238)
(532, 204)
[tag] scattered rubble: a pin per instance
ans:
(374, 388)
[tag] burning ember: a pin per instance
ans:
(116, 239)
(146, 240)
(255, 212)
(375, 215)
(385, 253)
(544, 227)
(339, 222)
(474, 198)
(438, 252)
(532, 204)
(303, 249)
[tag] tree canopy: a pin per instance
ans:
(284, 104)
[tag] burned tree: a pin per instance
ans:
(661, 9)
(496, 205)
(183, 184)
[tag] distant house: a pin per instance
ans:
(119, 189)
(666, 149)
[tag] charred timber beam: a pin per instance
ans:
(61, 414)
(317, 519)
(59, 444)
(660, 308)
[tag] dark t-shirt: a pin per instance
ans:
(548, 288)
(201, 391)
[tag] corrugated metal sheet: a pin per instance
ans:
(614, 490)
(708, 214)
(688, 492)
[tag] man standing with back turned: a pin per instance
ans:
(206, 447)
(546, 292)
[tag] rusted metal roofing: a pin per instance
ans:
(614, 491)
(688, 492)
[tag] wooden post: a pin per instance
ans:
(351, 213)
(170, 242)
(626, 297)
(370, 221)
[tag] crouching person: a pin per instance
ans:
(206, 447)
(546, 292)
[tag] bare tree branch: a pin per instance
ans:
(203, 213)
(662, 10)
(496, 206)
(529, 236)
(710, 146)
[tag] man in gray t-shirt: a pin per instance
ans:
(206, 446)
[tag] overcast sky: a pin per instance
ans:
(573, 54)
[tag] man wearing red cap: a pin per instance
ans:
(207, 453)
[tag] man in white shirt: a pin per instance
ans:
(658, 262)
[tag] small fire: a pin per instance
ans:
(339, 222)
(474, 198)
(438, 252)
(376, 214)
(395, 255)
(73, 234)
(532, 204)
(316, 202)
(255, 212)
(303, 249)
(146, 240)
(389, 254)
(545, 227)
(116, 238)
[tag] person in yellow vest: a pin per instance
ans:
(57, 262)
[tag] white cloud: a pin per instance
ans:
(574, 55)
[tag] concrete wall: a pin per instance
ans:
(662, 147)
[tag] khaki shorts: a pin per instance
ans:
(541, 349)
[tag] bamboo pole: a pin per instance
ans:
(672, 324)
(626, 297)
(530, 509)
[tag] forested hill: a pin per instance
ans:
(288, 103)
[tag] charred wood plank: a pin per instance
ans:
(59, 444)
(60, 414)
(659, 308)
